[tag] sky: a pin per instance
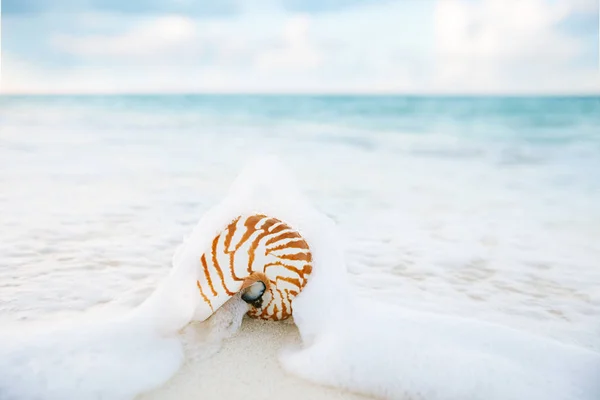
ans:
(300, 46)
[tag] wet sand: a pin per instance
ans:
(246, 367)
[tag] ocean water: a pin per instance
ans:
(480, 207)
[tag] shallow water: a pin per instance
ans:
(479, 207)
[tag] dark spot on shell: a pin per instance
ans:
(253, 294)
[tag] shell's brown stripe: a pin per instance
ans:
(207, 274)
(281, 227)
(218, 267)
(286, 266)
(259, 237)
(291, 310)
(297, 257)
(250, 225)
(204, 296)
(289, 280)
(252, 249)
(277, 225)
(265, 312)
(307, 270)
(285, 235)
(295, 244)
(230, 232)
(231, 229)
(231, 267)
(284, 309)
(266, 307)
(287, 296)
(269, 223)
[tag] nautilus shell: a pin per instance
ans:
(261, 256)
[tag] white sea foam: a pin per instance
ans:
(120, 358)
(112, 359)
(396, 353)
(374, 348)
(117, 358)
(349, 342)
(371, 347)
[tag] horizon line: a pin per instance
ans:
(316, 94)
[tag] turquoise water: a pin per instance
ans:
(564, 123)
(484, 206)
(560, 132)
(533, 117)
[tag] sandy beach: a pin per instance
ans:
(247, 358)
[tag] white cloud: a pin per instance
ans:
(584, 6)
(173, 39)
(508, 45)
(148, 38)
(404, 46)
(22, 77)
(270, 51)
(297, 50)
(26, 78)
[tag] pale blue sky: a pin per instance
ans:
(402, 46)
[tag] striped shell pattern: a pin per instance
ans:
(256, 248)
